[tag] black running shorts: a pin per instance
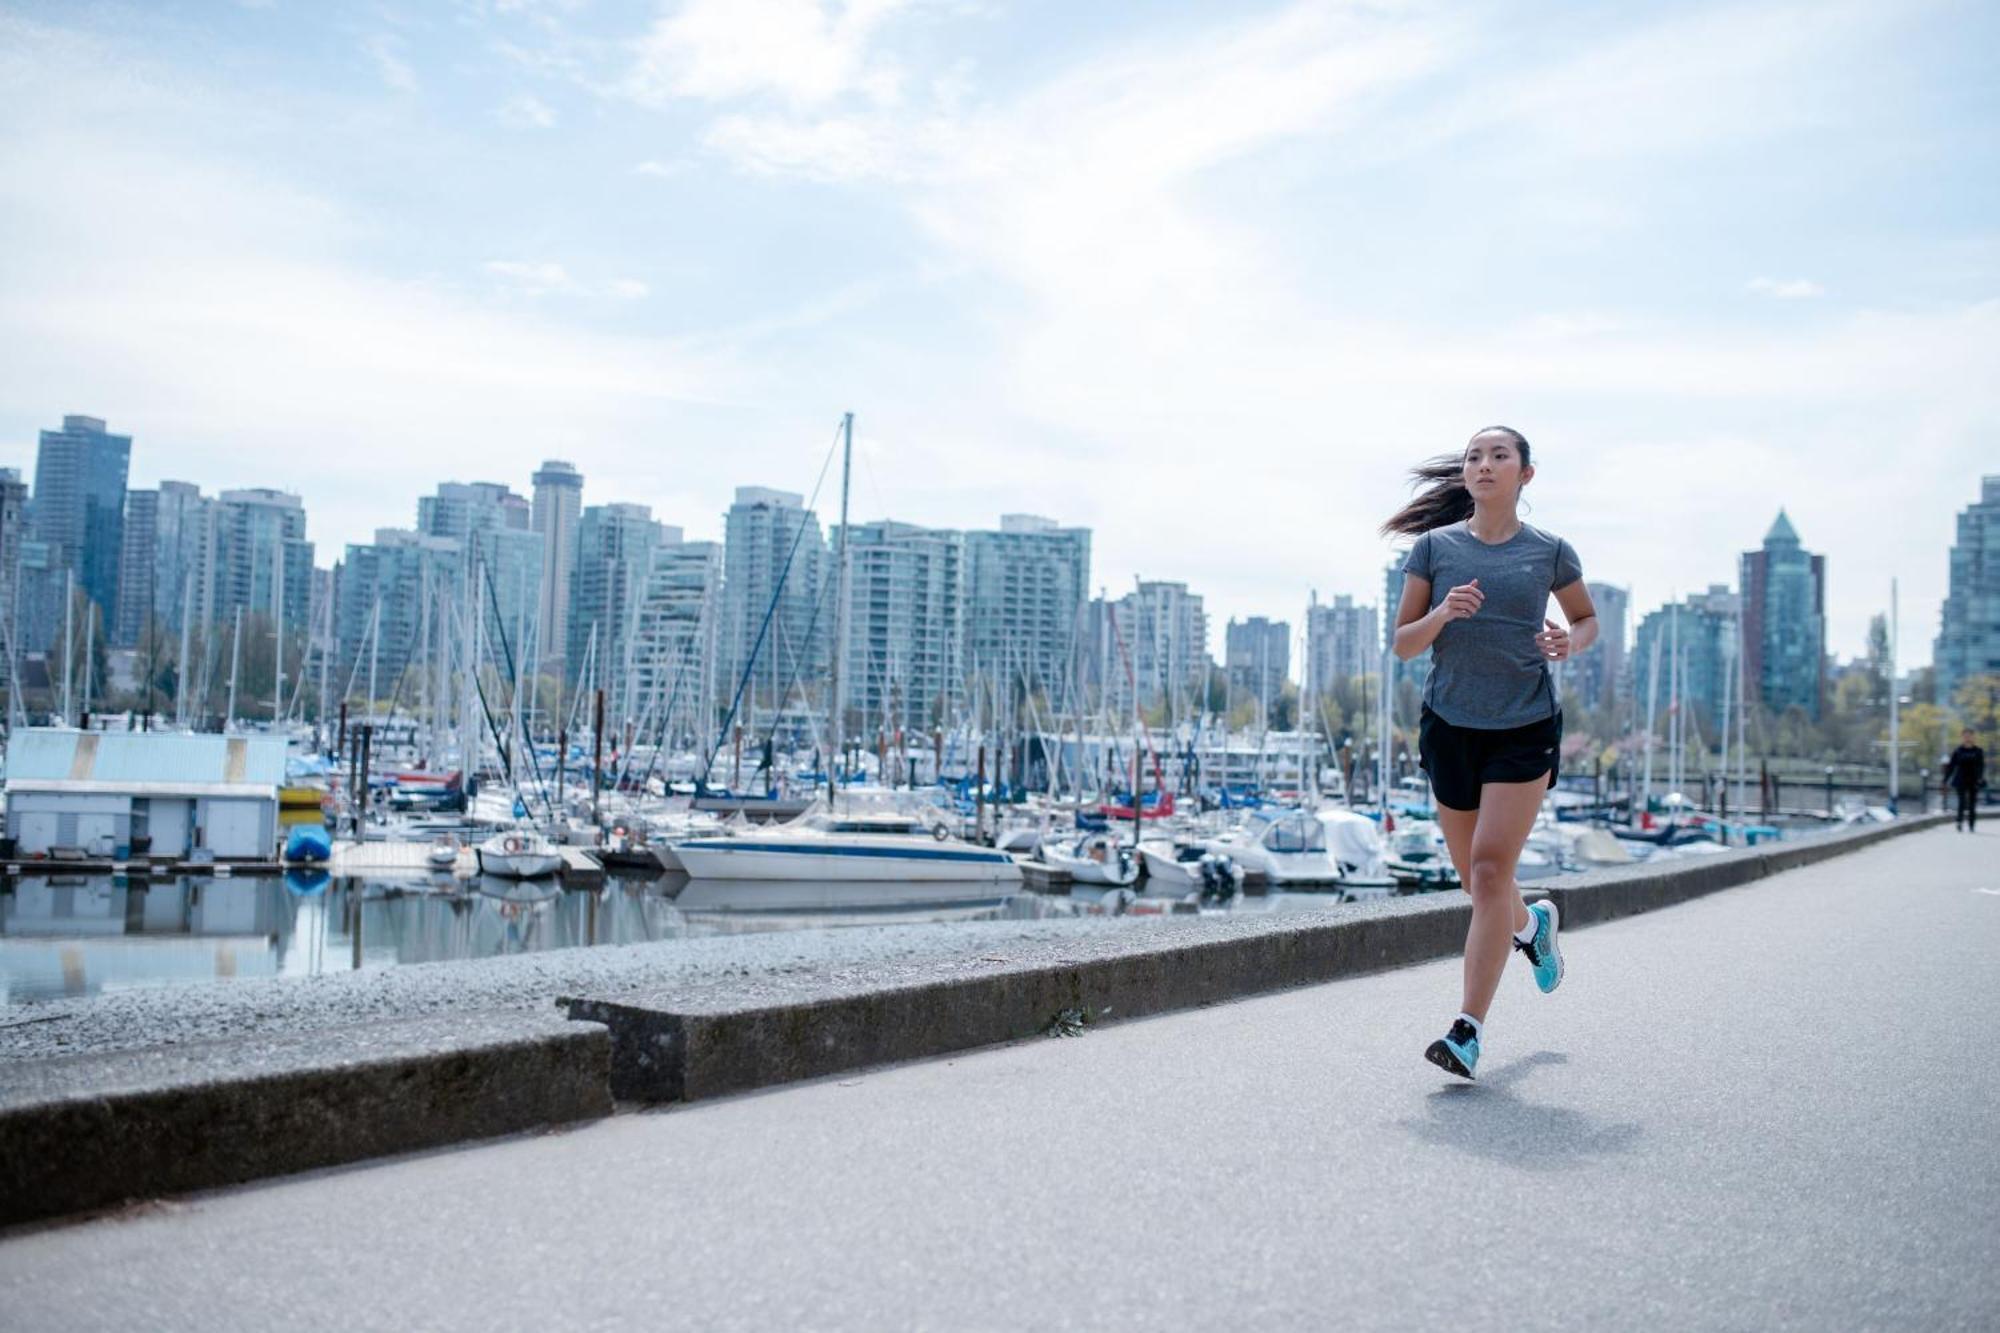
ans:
(1460, 759)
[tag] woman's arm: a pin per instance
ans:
(1558, 643)
(1417, 627)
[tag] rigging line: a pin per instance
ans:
(708, 765)
(798, 664)
(666, 722)
(500, 622)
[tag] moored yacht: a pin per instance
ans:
(519, 853)
(1287, 847)
(841, 846)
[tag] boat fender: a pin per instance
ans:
(940, 832)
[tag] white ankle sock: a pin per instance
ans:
(1476, 1024)
(1527, 932)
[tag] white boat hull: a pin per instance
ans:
(773, 858)
(519, 865)
(1164, 872)
(1083, 870)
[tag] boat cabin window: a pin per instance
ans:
(1296, 835)
(871, 824)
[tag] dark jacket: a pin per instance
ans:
(1966, 768)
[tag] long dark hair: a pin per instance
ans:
(1444, 498)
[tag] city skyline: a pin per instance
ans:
(1214, 280)
(480, 514)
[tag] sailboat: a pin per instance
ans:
(831, 844)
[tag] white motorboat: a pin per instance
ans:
(1358, 845)
(519, 854)
(1287, 847)
(443, 853)
(1175, 868)
(839, 846)
(1418, 857)
(1094, 858)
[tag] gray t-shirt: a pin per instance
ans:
(1486, 670)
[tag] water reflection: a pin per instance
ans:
(84, 934)
(79, 935)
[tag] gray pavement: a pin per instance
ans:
(1772, 1107)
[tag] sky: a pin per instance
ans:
(1206, 279)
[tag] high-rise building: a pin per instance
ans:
(1701, 632)
(679, 616)
(1597, 674)
(1257, 658)
(1025, 586)
(263, 562)
(614, 559)
(776, 623)
(13, 522)
(1155, 637)
(1784, 622)
(1968, 641)
(502, 559)
(167, 572)
(558, 504)
(78, 508)
(1418, 669)
(1342, 642)
(380, 597)
(905, 626)
(139, 538)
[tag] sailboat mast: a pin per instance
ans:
(840, 608)
(278, 639)
(235, 658)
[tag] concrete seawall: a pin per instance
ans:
(85, 1131)
(673, 1045)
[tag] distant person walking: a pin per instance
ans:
(1476, 591)
(1964, 772)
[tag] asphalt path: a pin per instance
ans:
(1776, 1107)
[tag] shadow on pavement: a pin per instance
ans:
(1487, 1119)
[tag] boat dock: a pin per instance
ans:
(400, 860)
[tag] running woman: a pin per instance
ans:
(1476, 591)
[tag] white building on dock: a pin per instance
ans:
(92, 793)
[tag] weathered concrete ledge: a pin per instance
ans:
(84, 1132)
(677, 1045)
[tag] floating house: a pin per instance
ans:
(111, 794)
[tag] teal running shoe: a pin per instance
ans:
(1457, 1051)
(1542, 953)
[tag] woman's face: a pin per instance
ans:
(1493, 467)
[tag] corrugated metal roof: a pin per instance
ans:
(59, 754)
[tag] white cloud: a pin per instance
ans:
(1152, 348)
(655, 167)
(526, 112)
(801, 51)
(387, 53)
(533, 279)
(1786, 289)
(218, 313)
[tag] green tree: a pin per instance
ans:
(1928, 733)
(1977, 699)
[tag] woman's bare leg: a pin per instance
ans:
(1457, 826)
(1505, 817)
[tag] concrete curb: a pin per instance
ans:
(669, 1046)
(84, 1132)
